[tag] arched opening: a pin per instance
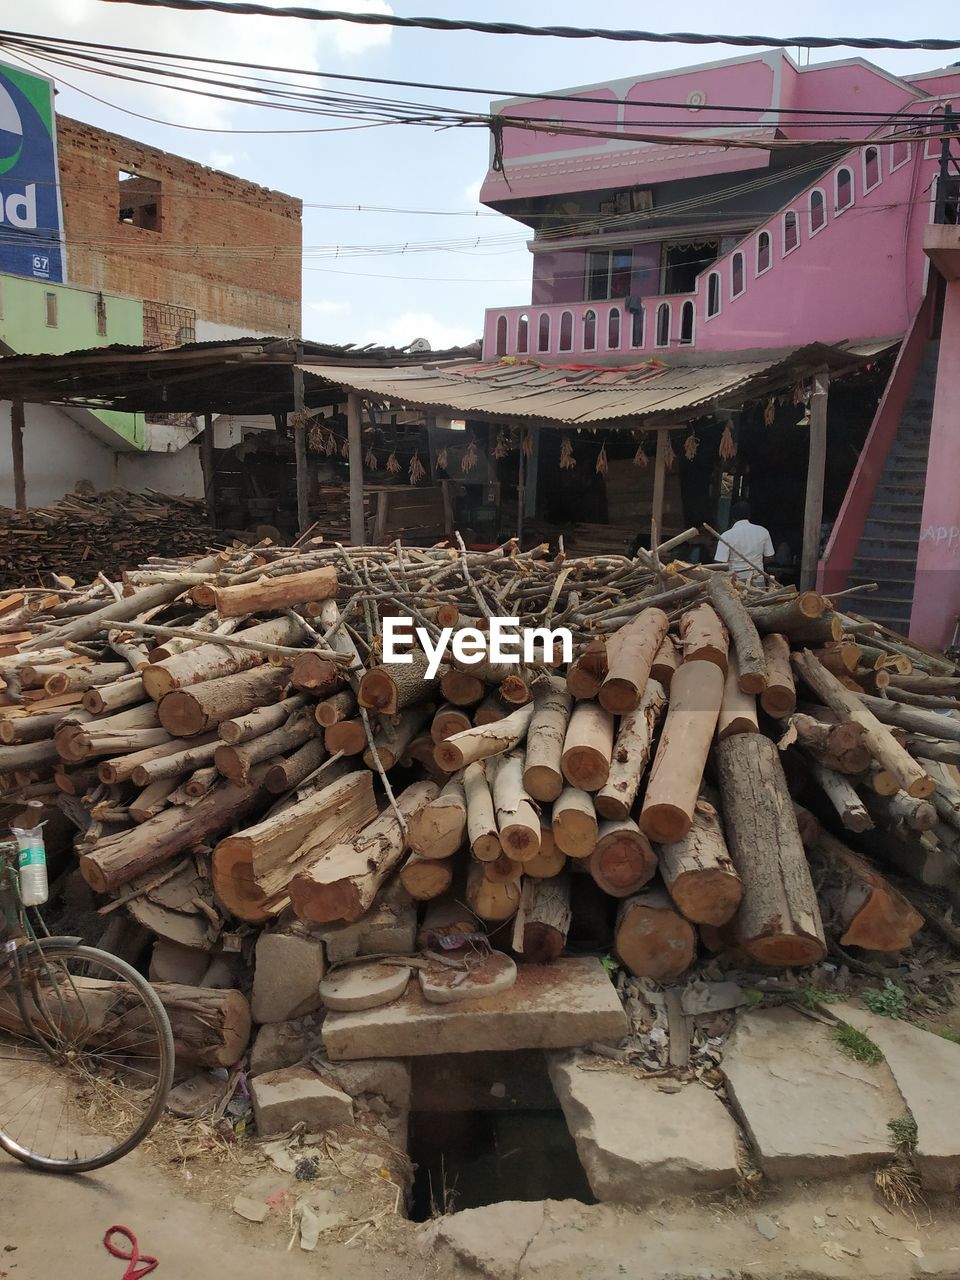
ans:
(613, 329)
(763, 252)
(818, 211)
(713, 293)
(501, 335)
(663, 325)
(687, 313)
(871, 168)
(843, 189)
(543, 332)
(899, 154)
(523, 335)
(791, 231)
(566, 331)
(737, 276)
(590, 330)
(636, 328)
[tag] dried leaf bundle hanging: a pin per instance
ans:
(602, 461)
(728, 446)
(502, 447)
(470, 458)
(799, 393)
(370, 459)
(567, 460)
(442, 460)
(330, 444)
(417, 471)
(315, 438)
(669, 454)
(527, 445)
(769, 412)
(393, 466)
(640, 458)
(344, 448)
(690, 446)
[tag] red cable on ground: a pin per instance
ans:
(134, 1258)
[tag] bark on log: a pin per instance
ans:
(245, 728)
(36, 727)
(779, 921)
(448, 720)
(393, 736)
(849, 706)
(517, 819)
(122, 767)
(843, 797)
(151, 800)
(704, 637)
(622, 860)
(589, 668)
(804, 618)
(629, 669)
(342, 884)
(483, 741)
(491, 901)
(575, 825)
(184, 713)
(542, 778)
(312, 673)
(212, 661)
(77, 679)
(677, 771)
(779, 699)
(837, 746)
(631, 753)
(392, 687)
(913, 719)
(841, 658)
(588, 747)
(699, 873)
(438, 830)
(869, 910)
(235, 763)
(175, 765)
(117, 860)
(491, 709)
(652, 939)
(665, 663)
(901, 810)
(114, 697)
(275, 593)
(426, 878)
(751, 659)
(808, 824)
(481, 816)
(286, 775)
(252, 869)
(738, 710)
(339, 706)
(547, 921)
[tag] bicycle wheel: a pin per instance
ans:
(85, 1080)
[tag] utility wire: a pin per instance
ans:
(246, 8)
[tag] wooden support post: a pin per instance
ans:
(300, 444)
(521, 490)
(532, 468)
(207, 467)
(659, 480)
(355, 444)
(816, 463)
(17, 424)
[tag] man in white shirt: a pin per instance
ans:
(746, 547)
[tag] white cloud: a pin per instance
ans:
(328, 307)
(250, 39)
(400, 330)
(225, 160)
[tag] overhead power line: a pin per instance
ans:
(246, 8)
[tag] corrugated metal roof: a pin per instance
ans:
(586, 395)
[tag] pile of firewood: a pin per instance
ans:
(234, 754)
(82, 535)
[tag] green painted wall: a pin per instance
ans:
(24, 328)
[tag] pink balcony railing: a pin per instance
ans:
(590, 330)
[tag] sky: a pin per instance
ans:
(441, 295)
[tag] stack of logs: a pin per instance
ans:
(235, 754)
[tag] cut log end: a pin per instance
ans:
(542, 783)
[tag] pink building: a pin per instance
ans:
(796, 209)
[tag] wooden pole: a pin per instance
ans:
(521, 490)
(354, 441)
(300, 444)
(207, 469)
(816, 464)
(17, 424)
(659, 480)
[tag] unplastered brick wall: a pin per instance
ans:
(151, 225)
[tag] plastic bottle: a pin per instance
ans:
(33, 866)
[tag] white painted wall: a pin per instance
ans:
(57, 453)
(174, 473)
(210, 331)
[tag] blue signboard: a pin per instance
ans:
(31, 236)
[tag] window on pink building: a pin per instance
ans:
(590, 331)
(791, 231)
(609, 274)
(523, 335)
(871, 168)
(543, 332)
(713, 293)
(613, 329)
(663, 325)
(818, 211)
(686, 323)
(736, 275)
(566, 331)
(843, 189)
(501, 335)
(763, 252)
(636, 328)
(899, 155)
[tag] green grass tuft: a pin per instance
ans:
(903, 1132)
(890, 1001)
(856, 1045)
(810, 996)
(948, 1033)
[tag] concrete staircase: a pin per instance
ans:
(887, 553)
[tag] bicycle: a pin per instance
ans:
(86, 1049)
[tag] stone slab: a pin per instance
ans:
(364, 986)
(297, 1095)
(286, 978)
(808, 1110)
(388, 928)
(284, 1044)
(926, 1069)
(559, 1006)
(637, 1143)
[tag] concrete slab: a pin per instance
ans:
(297, 1095)
(637, 1143)
(926, 1069)
(286, 979)
(284, 1044)
(807, 1110)
(558, 1006)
